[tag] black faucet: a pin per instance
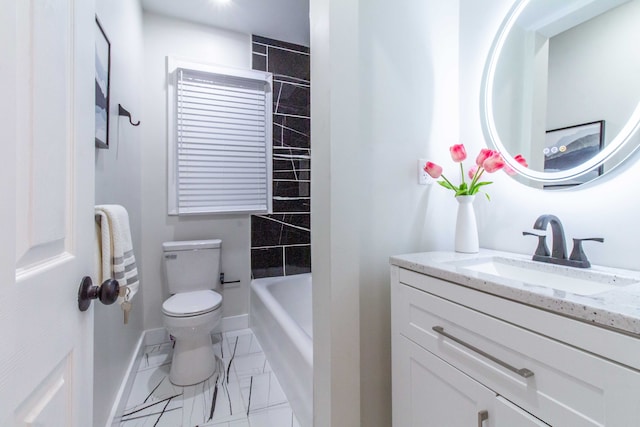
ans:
(558, 245)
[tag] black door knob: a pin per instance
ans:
(107, 293)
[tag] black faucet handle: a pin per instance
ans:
(577, 254)
(542, 249)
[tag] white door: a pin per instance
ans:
(46, 211)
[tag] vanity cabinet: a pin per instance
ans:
(461, 359)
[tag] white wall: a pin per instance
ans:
(335, 133)
(165, 36)
(406, 65)
(374, 114)
(605, 208)
(117, 180)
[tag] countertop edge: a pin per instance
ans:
(612, 310)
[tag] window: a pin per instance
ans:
(220, 126)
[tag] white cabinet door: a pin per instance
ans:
(428, 392)
(46, 219)
(506, 414)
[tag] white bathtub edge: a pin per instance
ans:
(283, 344)
(294, 332)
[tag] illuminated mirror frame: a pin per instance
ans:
(489, 126)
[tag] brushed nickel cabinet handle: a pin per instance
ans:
(523, 372)
(482, 416)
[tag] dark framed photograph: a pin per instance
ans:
(568, 147)
(103, 71)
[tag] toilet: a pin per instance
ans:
(194, 310)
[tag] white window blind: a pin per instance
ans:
(222, 156)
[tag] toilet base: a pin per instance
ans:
(193, 360)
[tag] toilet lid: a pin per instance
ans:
(192, 303)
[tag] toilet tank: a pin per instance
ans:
(192, 265)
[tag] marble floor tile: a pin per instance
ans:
(242, 342)
(244, 392)
(156, 355)
(262, 391)
(280, 416)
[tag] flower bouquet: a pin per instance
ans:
(487, 161)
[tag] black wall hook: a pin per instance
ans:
(123, 112)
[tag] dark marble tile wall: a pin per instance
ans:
(281, 242)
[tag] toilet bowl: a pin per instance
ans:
(190, 317)
(195, 308)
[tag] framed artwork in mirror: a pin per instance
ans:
(571, 146)
(103, 71)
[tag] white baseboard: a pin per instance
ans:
(154, 337)
(233, 323)
(125, 388)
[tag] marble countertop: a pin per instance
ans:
(618, 308)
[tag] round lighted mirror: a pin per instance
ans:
(562, 87)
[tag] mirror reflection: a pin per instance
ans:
(562, 88)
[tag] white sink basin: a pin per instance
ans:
(568, 279)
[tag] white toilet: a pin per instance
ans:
(194, 309)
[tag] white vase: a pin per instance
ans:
(466, 227)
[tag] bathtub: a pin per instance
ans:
(280, 317)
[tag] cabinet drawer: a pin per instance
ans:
(568, 386)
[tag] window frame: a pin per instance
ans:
(175, 64)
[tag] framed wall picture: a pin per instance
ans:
(103, 71)
(571, 146)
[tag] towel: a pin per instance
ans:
(116, 250)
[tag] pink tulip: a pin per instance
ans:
(433, 170)
(521, 160)
(458, 153)
(485, 153)
(493, 163)
(472, 171)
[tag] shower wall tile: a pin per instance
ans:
(291, 98)
(277, 129)
(298, 204)
(260, 48)
(295, 236)
(288, 63)
(267, 262)
(281, 242)
(291, 131)
(291, 188)
(264, 232)
(297, 259)
(259, 40)
(259, 62)
(303, 221)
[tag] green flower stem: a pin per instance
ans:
(461, 174)
(476, 176)
(448, 182)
